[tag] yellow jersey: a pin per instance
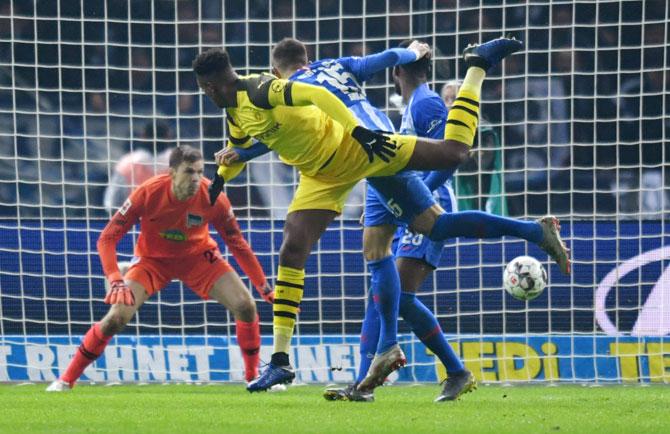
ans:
(302, 123)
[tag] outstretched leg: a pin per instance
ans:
(544, 232)
(479, 224)
(459, 136)
(463, 116)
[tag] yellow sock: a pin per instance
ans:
(464, 114)
(288, 294)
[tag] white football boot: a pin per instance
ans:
(381, 367)
(59, 386)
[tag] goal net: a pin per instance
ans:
(93, 93)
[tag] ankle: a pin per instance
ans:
(280, 359)
(472, 83)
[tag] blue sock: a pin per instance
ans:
(386, 295)
(428, 330)
(369, 338)
(477, 224)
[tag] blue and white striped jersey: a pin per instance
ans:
(345, 76)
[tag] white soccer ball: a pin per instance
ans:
(524, 278)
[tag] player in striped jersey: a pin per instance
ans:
(343, 78)
(256, 108)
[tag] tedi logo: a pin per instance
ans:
(654, 316)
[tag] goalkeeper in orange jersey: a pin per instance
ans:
(313, 130)
(174, 242)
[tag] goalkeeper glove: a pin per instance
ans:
(266, 292)
(215, 188)
(374, 144)
(119, 293)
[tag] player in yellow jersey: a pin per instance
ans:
(313, 130)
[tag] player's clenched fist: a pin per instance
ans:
(374, 144)
(420, 49)
(226, 156)
(119, 293)
(266, 292)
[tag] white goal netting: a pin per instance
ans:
(92, 94)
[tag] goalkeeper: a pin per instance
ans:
(174, 242)
(330, 160)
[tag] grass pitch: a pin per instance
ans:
(409, 409)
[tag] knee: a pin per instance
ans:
(377, 242)
(114, 321)
(293, 253)
(424, 222)
(463, 154)
(456, 153)
(422, 227)
(245, 310)
(376, 248)
(375, 252)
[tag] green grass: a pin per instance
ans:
(230, 409)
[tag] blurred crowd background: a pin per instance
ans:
(90, 89)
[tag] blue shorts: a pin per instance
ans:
(407, 244)
(396, 199)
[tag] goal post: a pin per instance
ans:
(93, 94)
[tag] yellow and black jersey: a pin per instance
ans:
(302, 123)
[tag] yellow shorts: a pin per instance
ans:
(329, 188)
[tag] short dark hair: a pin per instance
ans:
(422, 67)
(183, 153)
(288, 53)
(211, 61)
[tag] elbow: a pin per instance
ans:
(100, 245)
(458, 153)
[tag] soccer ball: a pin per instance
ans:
(524, 278)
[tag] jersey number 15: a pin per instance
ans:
(340, 80)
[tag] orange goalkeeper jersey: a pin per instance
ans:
(170, 228)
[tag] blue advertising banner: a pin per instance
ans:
(51, 282)
(325, 359)
(606, 321)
